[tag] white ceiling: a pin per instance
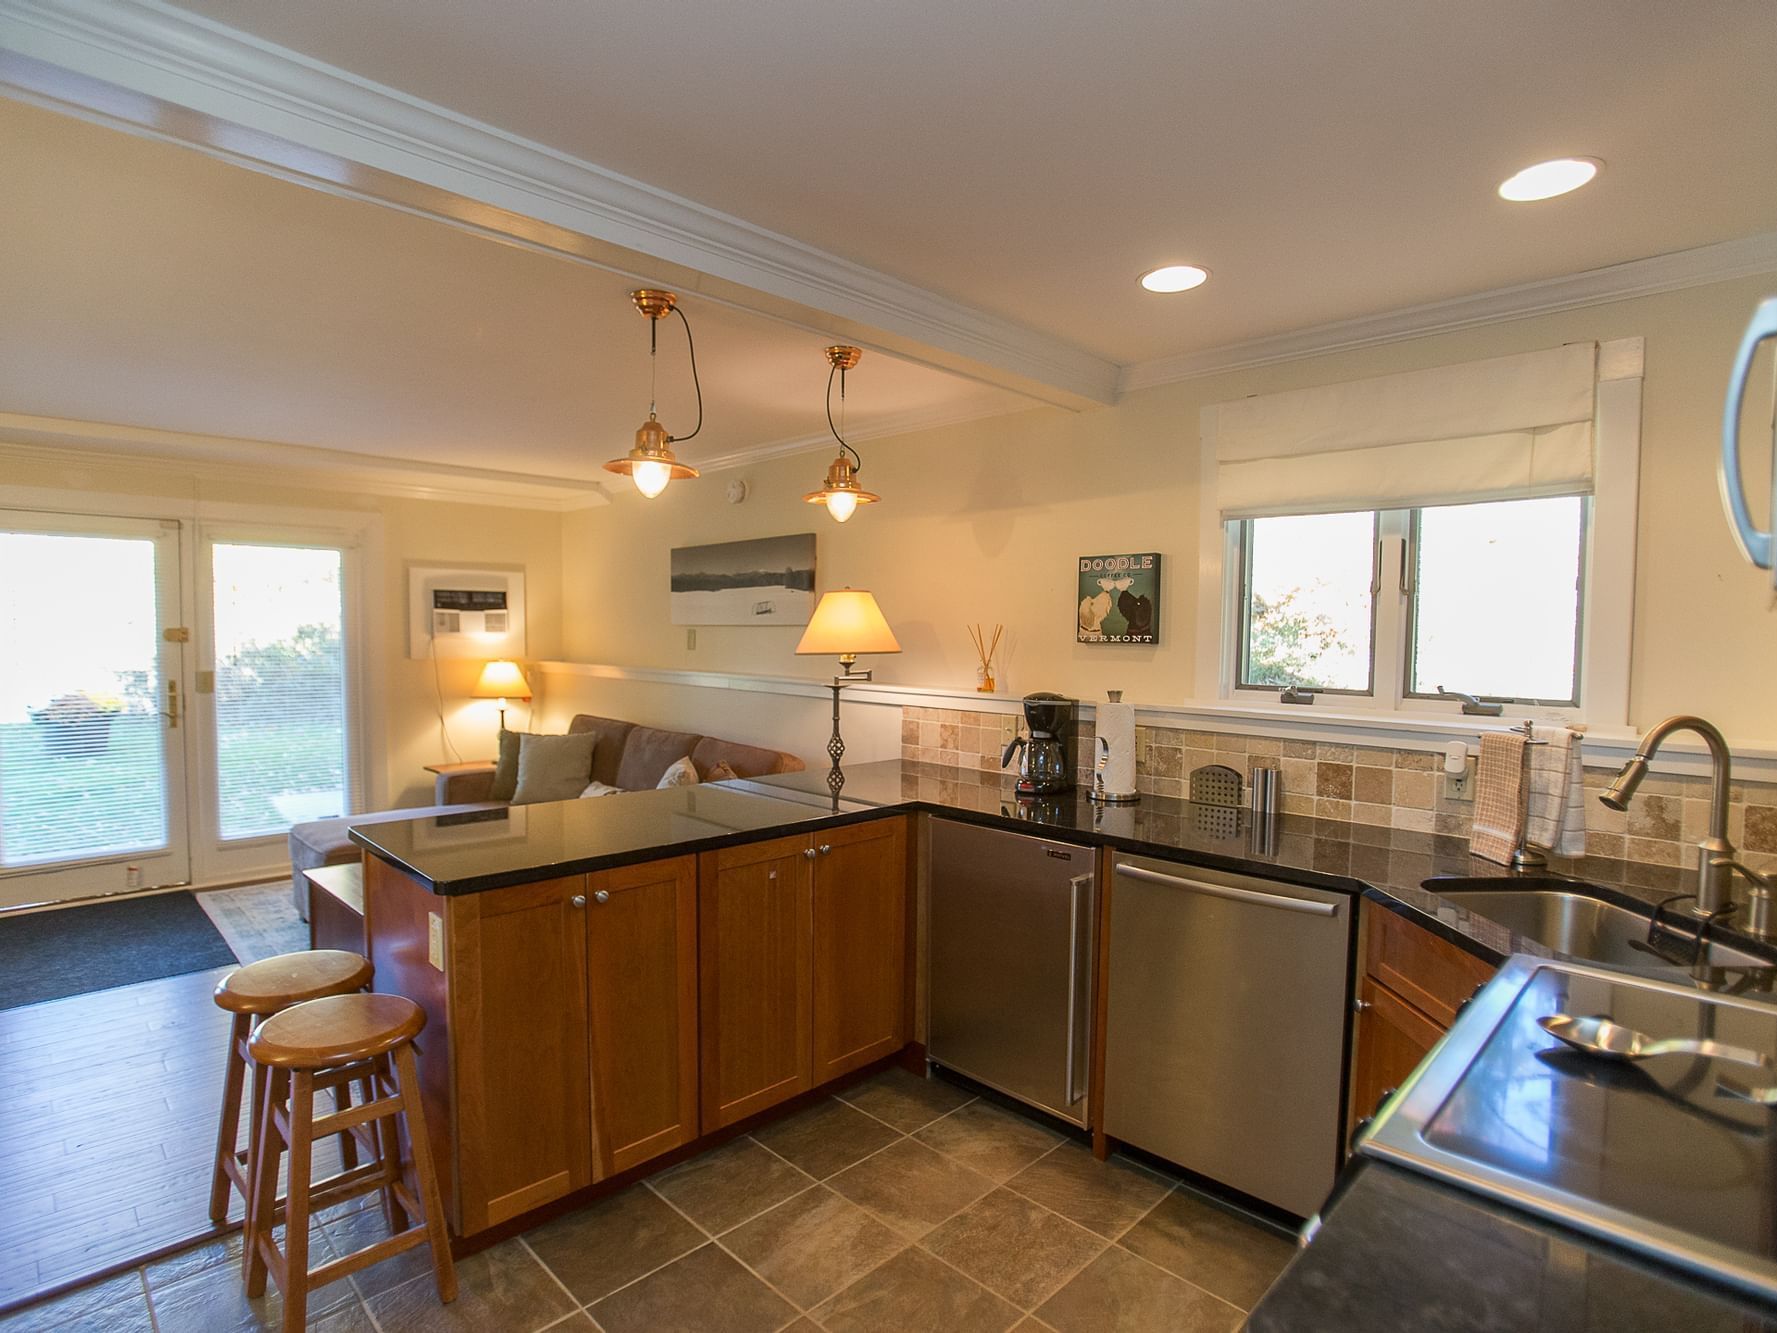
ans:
(1324, 161)
(149, 285)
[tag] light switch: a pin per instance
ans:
(435, 940)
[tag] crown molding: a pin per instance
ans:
(330, 128)
(1721, 262)
(57, 441)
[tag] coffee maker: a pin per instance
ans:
(1043, 764)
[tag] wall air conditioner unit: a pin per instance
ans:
(465, 612)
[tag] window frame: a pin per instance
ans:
(1393, 606)
(1609, 613)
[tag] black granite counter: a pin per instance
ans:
(482, 850)
(1399, 1251)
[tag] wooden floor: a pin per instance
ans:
(108, 1107)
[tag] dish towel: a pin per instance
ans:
(1556, 820)
(1499, 797)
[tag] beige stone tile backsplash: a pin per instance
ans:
(1369, 785)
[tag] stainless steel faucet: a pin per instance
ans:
(1716, 861)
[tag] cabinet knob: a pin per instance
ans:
(1362, 1006)
(578, 900)
(602, 896)
(824, 848)
(808, 852)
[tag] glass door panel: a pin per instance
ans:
(281, 709)
(91, 753)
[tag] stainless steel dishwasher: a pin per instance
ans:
(1225, 1042)
(1012, 963)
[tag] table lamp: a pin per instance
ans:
(502, 680)
(846, 623)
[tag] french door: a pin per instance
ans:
(93, 773)
(172, 698)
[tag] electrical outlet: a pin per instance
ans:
(1460, 787)
(435, 940)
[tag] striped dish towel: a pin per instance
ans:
(1556, 820)
(1499, 797)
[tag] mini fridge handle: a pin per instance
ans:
(1755, 545)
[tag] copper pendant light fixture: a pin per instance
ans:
(841, 493)
(651, 464)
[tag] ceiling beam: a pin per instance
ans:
(156, 70)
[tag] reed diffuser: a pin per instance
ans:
(985, 648)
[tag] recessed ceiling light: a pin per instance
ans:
(1547, 179)
(1175, 278)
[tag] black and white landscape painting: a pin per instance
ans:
(766, 581)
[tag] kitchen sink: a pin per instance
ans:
(1581, 924)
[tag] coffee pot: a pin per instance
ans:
(1043, 765)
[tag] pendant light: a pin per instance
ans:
(651, 464)
(841, 494)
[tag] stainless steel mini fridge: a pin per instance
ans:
(1012, 963)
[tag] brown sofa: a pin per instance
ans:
(627, 756)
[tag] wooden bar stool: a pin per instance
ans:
(257, 991)
(308, 1048)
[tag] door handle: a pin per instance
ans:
(171, 711)
(1756, 546)
(1280, 901)
(1074, 886)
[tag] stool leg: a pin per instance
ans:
(348, 1142)
(255, 1118)
(296, 1211)
(266, 1155)
(388, 1139)
(443, 1270)
(229, 1128)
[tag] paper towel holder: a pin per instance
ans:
(1097, 791)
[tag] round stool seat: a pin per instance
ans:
(277, 983)
(337, 1030)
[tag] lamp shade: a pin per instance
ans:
(502, 680)
(848, 622)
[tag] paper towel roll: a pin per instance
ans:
(1116, 731)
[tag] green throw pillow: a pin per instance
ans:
(553, 768)
(506, 767)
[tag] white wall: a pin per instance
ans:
(983, 523)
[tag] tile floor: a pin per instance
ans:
(901, 1204)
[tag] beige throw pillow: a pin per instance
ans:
(720, 772)
(681, 773)
(600, 789)
(553, 768)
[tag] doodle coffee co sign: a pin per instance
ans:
(1119, 599)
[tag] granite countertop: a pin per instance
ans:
(1395, 1247)
(489, 849)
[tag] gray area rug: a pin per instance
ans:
(258, 921)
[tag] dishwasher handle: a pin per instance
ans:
(1280, 901)
(1074, 987)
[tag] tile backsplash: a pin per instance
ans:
(1362, 784)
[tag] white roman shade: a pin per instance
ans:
(1507, 428)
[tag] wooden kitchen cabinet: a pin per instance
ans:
(802, 963)
(755, 945)
(641, 969)
(518, 1024)
(860, 946)
(1413, 986)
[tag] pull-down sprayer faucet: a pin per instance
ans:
(1716, 862)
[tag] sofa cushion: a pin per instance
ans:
(747, 761)
(553, 768)
(679, 773)
(648, 753)
(613, 735)
(506, 767)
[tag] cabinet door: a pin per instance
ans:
(753, 976)
(1392, 1038)
(860, 945)
(641, 967)
(517, 981)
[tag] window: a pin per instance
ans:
(1486, 599)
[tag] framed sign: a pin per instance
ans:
(1119, 599)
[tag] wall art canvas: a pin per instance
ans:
(765, 581)
(1119, 599)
